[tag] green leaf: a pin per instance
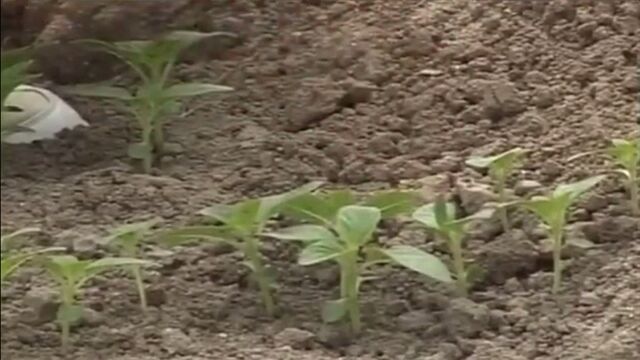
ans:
(194, 89)
(114, 262)
(5, 239)
(219, 212)
(320, 251)
(141, 227)
(271, 205)
(576, 189)
(626, 152)
(417, 260)
(306, 233)
(12, 262)
(551, 211)
(393, 203)
(356, 224)
(334, 310)
(100, 91)
(504, 160)
(426, 215)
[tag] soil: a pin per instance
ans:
(370, 94)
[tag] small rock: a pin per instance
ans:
(595, 203)
(526, 187)
(334, 336)
(173, 149)
(512, 285)
(176, 342)
(416, 320)
(357, 92)
(544, 97)
(91, 317)
(465, 318)
(42, 305)
(588, 298)
(294, 338)
(450, 351)
(156, 296)
(328, 277)
(501, 100)
(474, 196)
(509, 255)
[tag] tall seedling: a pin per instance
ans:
(553, 210)
(347, 239)
(500, 168)
(128, 238)
(441, 218)
(155, 99)
(240, 225)
(71, 275)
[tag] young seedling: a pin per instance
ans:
(12, 260)
(348, 240)
(71, 275)
(626, 154)
(240, 225)
(500, 168)
(553, 210)
(155, 99)
(441, 218)
(128, 239)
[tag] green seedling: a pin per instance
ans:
(322, 208)
(71, 275)
(348, 240)
(156, 98)
(240, 225)
(14, 72)
(13, 260)
(553, 210)
(500, 168)
(626, 154)
(128, 238)
(441, 218)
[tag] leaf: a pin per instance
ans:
(574, 190)
(114, 262)
(219, 212)
(139, 151)
(580, 243)
(100, 91)
(140, 227)
(623, 172)
(306, 233)
(356, 224)
(505, 159)
(271, 205)
(191, 234)
(417, 260)
(243, 217)
(193, 89)
(334, 310)
(5, 239)
(320, 251)
(552, 211)
(426, 215)
(393, 203)
(12, 262)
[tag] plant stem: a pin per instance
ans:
(65, 325)
(455, 245)
(158, 138)
(252, 252)
(556, 234)
(502, 211)
(349, 284)
(137, 275)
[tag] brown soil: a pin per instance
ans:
(365, 94)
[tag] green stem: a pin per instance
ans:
(65, 325)
(137, 275)
(633, 192)
(253, 254)
(147, 160)
(455, 245)
(502, 211)
(556, 234)
(158, 139)
(349, 284)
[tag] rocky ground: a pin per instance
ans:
(369, 94)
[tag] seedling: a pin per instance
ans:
(500, 168)
(155, 99)
(626, 154)
(553, 210)
(240, 225)
(71, 275)
(348, 240)
(11, 260)
(128, 239)
(441, 218)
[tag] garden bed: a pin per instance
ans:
(370, 96)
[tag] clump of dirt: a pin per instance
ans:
(368, 94)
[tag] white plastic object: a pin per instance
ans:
(45, 114)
